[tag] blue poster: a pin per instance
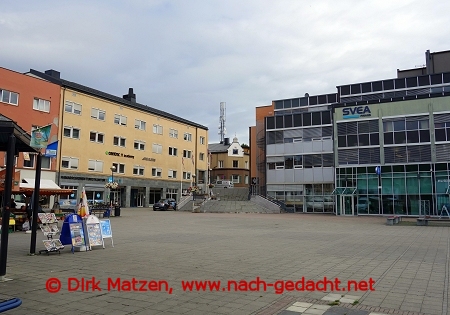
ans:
(106, 228)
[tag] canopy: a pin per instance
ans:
(47, 187)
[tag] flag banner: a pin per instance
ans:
(83, 207)
(51, 149)
(40, 136)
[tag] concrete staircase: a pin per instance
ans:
(234, 200)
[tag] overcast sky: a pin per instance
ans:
(187, 56)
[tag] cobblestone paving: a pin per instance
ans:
(409, 264)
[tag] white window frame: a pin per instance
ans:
(220, 163)
(98, 165)
(95, 113)
(71, 129)
(75, 108)
(119, 141)
(138, 170)
(202, 140)
(96, 137)
(186, 175)
(73, 162)
(201, 156)
(173, 151)
(120, 119)
(157, 129)
(237, 163)
(139, 124)
(187, 136)
(187, 154)
(156, 172)
(140, 145)
(8, 101)
(120, 168)
(41, 105)
(234, 179)
(32, 160)
(157, 148)
(172, 174)
(173, 133)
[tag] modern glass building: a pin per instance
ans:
(392, 146)
(299, 153)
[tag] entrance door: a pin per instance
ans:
(140, 199)
(347, 204)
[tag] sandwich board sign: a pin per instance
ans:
(106, 230)
(94, 232)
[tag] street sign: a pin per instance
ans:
(110, 180)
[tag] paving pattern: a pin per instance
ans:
(409, 264)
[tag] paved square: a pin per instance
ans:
(409, 264)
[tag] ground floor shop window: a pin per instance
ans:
(172, 193)
(94, 197)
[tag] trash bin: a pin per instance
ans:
(117, 211)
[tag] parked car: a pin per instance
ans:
(224, 184)
(165, 204)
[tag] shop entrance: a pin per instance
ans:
(346, 205)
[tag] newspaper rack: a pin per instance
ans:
(49, 226)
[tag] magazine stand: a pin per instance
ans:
(72, 233)
(49, 226)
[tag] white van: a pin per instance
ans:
(224, 184)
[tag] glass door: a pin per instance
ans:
(347, 205)
(140, 199)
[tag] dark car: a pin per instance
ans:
(165, 204)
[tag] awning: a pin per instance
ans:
(344, 191)
(47, 187)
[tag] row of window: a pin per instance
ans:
(235, 164)
(305, 101)
(300, 161)
(298, 135)
(29, 161)
(299, 120)
(74, 108)
(12, 98)
(97, 166)
(394, 84)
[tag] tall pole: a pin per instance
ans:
(37, 184)
(6, 204)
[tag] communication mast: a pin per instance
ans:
(222, 129)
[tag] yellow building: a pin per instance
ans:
(230, 161)
(104, 139)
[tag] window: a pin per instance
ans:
(201, 156)
(173, 151)
(46, 163)
(30, 162)
(221, 164)
(95, 165)
(138, 170)
(98, 114)
(172, 174)
(41, 105)
(69, 162)
(120, 168)
(202, 140)
(120, 120)
(71, 132)
(157, 148)
(139, 145)
(246, 164)
(187, 136)
(139, 124)
(15, 160)
(235, 163)
(235, 178)
(156, 172)
(235, 151)
(96, 137)
(173, 133)
(9, 97)
(71, 107)
(119, 141)
(187, 154)
(246, 180)
(158, 129)
(186, 175)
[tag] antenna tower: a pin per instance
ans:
(222, 129)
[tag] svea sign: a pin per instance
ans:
(356, 112)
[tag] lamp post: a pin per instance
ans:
(113, 169)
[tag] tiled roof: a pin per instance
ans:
(110, 97)
(217, 147)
